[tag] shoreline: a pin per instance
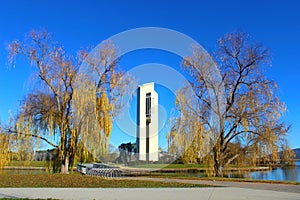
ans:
(23, 168)
(145, 171)
(132, 170)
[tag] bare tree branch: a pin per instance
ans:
(33, 135)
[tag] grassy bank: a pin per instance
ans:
(77, 180)
(250, 180)
(200, 167)
(169, 166)
(182, 176)
(27, 164)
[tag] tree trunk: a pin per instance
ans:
(231, 159)
(218, 168)
(65, 165)
(218, 165)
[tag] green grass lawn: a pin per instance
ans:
(169, 166)
(26, 163)
(45, 164)
(78, 180)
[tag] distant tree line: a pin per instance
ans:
(127, 153)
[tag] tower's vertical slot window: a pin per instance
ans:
(148, 107)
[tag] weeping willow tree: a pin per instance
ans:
(100, 86)
(4, 148)
(187, 138)
(15, 147)
(70, 108)
(287, 154)
(251, 112)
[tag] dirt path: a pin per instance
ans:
(250, 185)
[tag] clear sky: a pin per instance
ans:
(78, 24)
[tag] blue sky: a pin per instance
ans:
(78, 24)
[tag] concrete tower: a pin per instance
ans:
(147, 123)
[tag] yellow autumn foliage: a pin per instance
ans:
(4, 149)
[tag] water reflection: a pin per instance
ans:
(291, 173)
(281, 174)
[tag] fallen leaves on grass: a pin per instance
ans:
(77, 180)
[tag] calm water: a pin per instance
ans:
(279, 174)
(282, 174)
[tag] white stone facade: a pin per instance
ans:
(147, 123)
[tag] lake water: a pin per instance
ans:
(279, 174)
(282, 174)
(291, 173)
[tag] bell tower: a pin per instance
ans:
(147, 123)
